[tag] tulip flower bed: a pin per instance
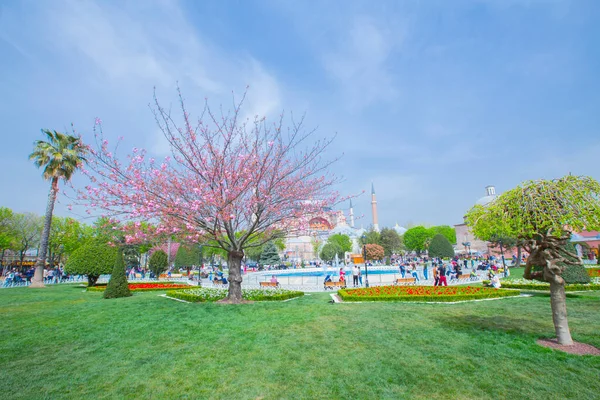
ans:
(210, 294)
(423, 293)
(593, 272)
(144, 287)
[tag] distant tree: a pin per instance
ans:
(416, 238)
(27, 228)
(60, 156)
(329, 251)
(254, 253)
(7, 234)
(370, 237)
(187, 256)
(440, 247)
(374, 252)
(447, 231)
(316, 244)
(92, 259)
(390, 241)
(118, 285)
(270, 255)
(66, 236)
(158, 263)
(341, 240)
(544, 214)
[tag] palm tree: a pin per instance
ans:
(60, 157)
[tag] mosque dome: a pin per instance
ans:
(489, 197)
(344, 229)
(400, 229)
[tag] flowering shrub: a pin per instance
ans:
(141, 287)
(212, 294)
(525, 284)
(423, 293)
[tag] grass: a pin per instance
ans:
(60, 342)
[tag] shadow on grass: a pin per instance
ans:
(499, 323)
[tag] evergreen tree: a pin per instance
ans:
(117, 285)
(440, 247)
(158, 263)
(270, 255)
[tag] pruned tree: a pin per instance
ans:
(92, 259)
(543, 214)
(329, 251)
(440, 247)
(232, 182)
(158, 263)
(117, 285)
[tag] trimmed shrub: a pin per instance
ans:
(93, 260)
(117, 285)
(158, 263)
(546, 286)
(211, 294)
(440, 247)
(423, 293)
(574, 273)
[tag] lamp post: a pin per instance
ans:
(365, 260)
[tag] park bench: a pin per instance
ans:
(331, 285)
(219, 282)
(269, 284)
(405, 281)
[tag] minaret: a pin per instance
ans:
(351, 215)
(374, 209)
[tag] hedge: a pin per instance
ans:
(475, 294)
(546, 287)
(211, 294)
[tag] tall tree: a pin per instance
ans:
(27, 229)
(390, 241)
(229, 180)
(544, 214)
(416, 238)
(60, 156)
(341, 240)
(329, 251)
(448, 232)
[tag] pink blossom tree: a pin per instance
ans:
(231, 182)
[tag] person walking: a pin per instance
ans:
(442, 273)
(355, 275)
(414, 272)
(425, 272)
(436, 275)
(360, 276)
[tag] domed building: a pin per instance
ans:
(466, 241)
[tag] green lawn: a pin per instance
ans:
(61, 342)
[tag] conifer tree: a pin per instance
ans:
(118, 285)
(270, 255)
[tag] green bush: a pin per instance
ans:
(574, 273)
(93, 260)
(440, 247)
(158, 263)
(117, 285)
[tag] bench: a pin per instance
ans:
(218, 282)
(405, 281)
(331, 285)
(269, 284)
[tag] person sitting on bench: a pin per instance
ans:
(274, 279)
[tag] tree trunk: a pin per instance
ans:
(558, 301)
(38, 277)
(518, 264)
(92, 280)
(234, 260)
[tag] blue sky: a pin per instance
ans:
(430, 100)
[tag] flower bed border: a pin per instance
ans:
(593, 272)
(497, 293)
(181, 295)
(102, 287)
(573, 287)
